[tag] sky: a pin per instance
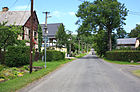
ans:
(63, 11)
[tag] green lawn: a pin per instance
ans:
(121, 62)
(17, 83)
(136, 72)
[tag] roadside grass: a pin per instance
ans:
(81, 55)
(121, 62)
(136, 72)
(17, 83)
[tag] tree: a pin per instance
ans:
(121, 33)
(39, 38)
(102, 14)
(100, 42)
(61, 36)
(8, 37)
(135, 32)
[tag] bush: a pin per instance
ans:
(54, 55)
(17, 56)
(123, 55)
(2, 57)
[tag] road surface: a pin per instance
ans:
(87, 74)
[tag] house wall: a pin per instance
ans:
(35, 31)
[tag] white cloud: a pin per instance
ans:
(58, 14)
(71, 13)
(138, 23)
(23, 7)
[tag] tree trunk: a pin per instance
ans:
(109, 40)
(87, 47)
(79, 47)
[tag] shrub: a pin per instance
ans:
(54, 55)
(2, 57)
(17, 56)
(123, 55)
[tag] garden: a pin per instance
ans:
(14, 70)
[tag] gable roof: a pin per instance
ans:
(126, 41)
(14, 17)
(52, 29)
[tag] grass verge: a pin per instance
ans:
(136, 72)
(121, 62)
(17, 83)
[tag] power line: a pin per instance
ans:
(25, 12)
(134, 13)
(13, 3)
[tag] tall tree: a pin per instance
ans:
(102, 14)
(135, 32)
(100, 42)
(61, 36)
(39, 38)
(121, 33)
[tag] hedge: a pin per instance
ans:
(54, 55)
(17, 56)
(123, 55)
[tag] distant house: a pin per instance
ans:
(52, 29)
(21, 18)
(51, 40)
(128, 42)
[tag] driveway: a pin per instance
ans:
(87, 74)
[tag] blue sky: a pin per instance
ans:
(63, 11)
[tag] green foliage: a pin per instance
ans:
(123, 55)
(52, 55)
(121, 33)
(135, 32)
(105, 14)
(61, 36)
(2, 57)
(39, 38)
(2, 67)
(100, 43)
(17, 56)
(8, 35)
(125, 48)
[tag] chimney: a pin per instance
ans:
(4, 9)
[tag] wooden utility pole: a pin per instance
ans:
(31, 37)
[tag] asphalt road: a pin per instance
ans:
(88, 74)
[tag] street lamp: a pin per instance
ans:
(45, 34)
